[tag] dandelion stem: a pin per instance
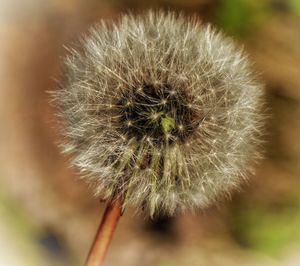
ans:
(104, 234)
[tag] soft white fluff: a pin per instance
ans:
(162, 109)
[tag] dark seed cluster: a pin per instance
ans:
(159, 112)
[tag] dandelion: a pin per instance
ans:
(162, 110)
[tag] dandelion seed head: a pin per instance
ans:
(161, 108)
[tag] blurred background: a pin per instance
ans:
(49, 217)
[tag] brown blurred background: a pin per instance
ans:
(48, 216)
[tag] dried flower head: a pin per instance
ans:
(161, 108)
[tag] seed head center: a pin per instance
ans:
(157, 112)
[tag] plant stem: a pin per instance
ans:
(105, 232)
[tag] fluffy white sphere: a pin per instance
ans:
(162, 109)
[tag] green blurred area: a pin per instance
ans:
(19, 235)
(268, 229)
(241, 17)
(295, 6)
(238, 17)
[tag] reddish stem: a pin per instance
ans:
(104, 234)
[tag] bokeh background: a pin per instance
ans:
(49, 217)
